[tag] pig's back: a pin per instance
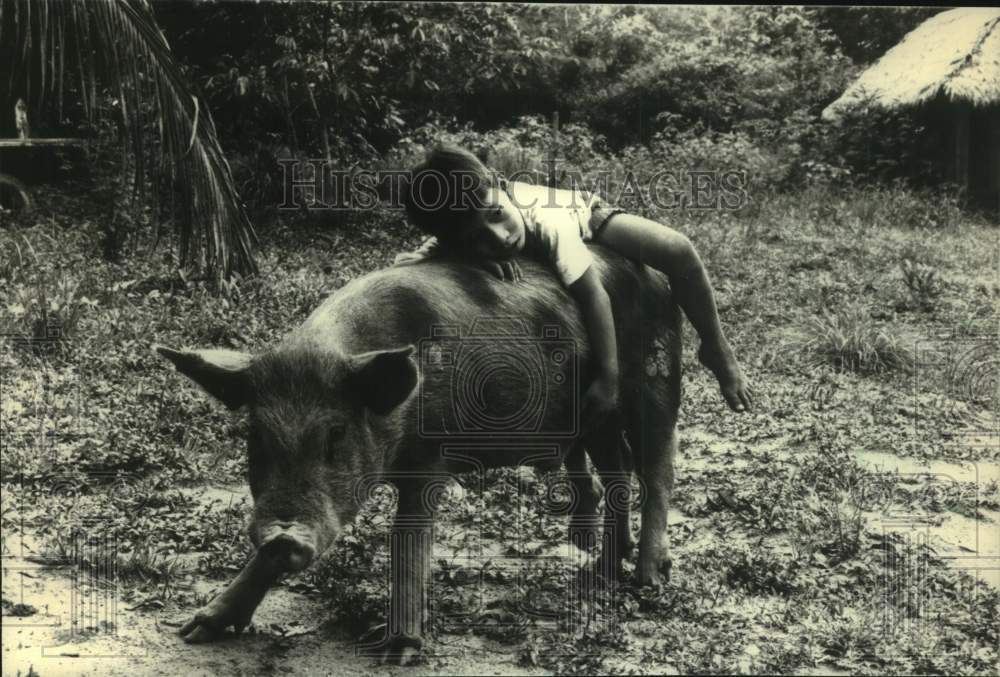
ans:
(401, 305)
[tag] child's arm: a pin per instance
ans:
(557, 234)
(602, 396)
(429, 249)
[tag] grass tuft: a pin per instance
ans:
(850, 340)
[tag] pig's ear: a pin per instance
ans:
(383, 378)
(223, 374)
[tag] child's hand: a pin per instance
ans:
(505, 270)
(599, 402)
(735, 387)
(407, 258)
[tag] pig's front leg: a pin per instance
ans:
(410, 549)
(234, 606)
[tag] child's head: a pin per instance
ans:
(454, 197)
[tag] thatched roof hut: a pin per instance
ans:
(955, 53)
(951, 63)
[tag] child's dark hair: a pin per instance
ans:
(444, 189)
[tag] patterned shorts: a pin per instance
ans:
(600, 213)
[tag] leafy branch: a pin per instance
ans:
(116, 44)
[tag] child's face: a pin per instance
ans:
(496, 230)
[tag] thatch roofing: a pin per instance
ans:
(956, 53)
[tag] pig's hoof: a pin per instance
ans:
(399, 650)
(406, 655)
(209, 626)
(657, 577)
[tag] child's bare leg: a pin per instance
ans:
(672, 253)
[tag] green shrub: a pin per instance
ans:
(763, 572)
(50, 308)
(850, 340)
(525, 147)
(900, 205)
(353, 576)
(699, 150)
(922, 283)
(884, 145)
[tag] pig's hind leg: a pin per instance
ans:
(586, 493)
(611, 457)
(652, 431)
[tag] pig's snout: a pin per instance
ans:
(288, 546)
(288, 554)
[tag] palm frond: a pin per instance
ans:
(117, 44)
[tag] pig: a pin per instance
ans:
(366, 390)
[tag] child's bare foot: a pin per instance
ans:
(735, 388)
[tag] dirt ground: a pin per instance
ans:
(80, 631)
(848, 526)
